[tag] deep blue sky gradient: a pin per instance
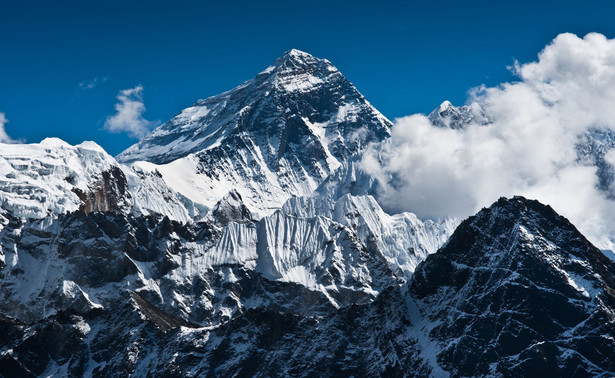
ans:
(405, 57)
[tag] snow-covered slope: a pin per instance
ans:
(52, 177)
(276, 136)
(207, 273)
(402, 239)
(37, 180)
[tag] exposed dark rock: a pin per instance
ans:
(231, 209)
(517, 288)
(108, 194)
(160, 318)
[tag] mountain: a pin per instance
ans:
(276, 136)
(516, 291)
(449, 116)
(242, 237)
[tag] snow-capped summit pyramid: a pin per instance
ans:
(297, 96)
(275, 136)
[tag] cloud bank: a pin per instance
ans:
(4, 137)
(129, 114)
(530, 149)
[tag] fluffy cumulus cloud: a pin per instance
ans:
(4, 137)
(129, 114)
(531, 148)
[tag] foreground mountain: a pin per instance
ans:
(276, 136)
(516, 291)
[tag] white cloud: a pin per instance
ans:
(529, 149)
(91, 84)
(129, 114)
(4, 137)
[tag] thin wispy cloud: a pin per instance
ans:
(91, 84)
(4, 137)
(129, 114)
(530, 149)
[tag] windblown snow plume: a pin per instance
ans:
(531, 148)
(129, 114)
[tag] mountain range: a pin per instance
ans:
(243, 238)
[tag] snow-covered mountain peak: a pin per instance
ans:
(296, 59)
(294, 62)
(296, 54)
(449, 116)
(278, 135)
(318, 92)
(54, 142)
(444, 106)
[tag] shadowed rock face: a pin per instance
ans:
(231, 209)
(516, 291)
(519, 290)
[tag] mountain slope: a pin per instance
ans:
(294, 260)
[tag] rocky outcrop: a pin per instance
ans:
(109, 193)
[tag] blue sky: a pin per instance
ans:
(405, 57)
